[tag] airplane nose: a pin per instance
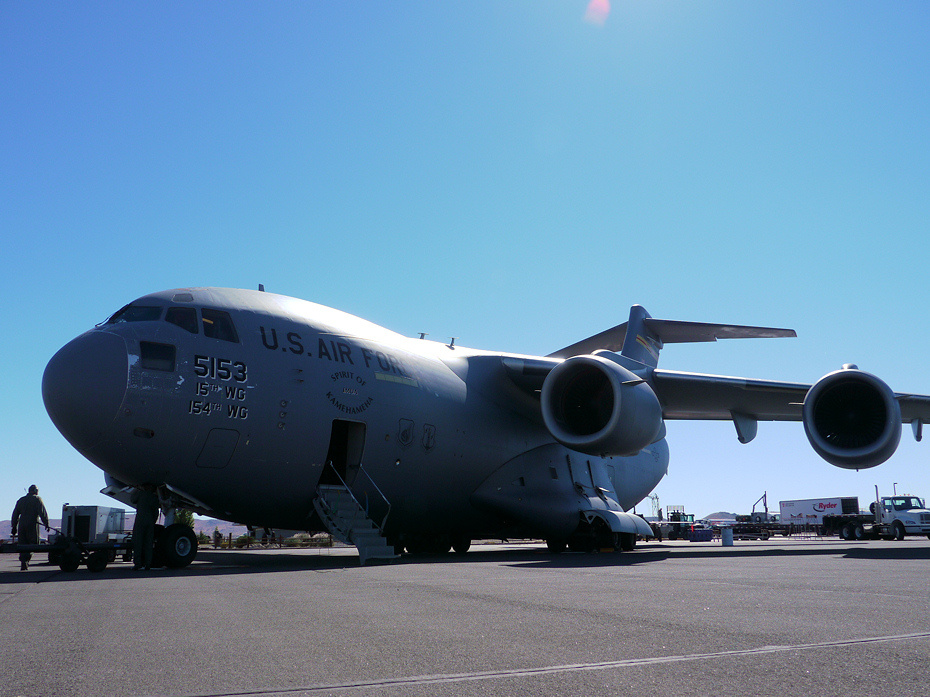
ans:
(84, 385)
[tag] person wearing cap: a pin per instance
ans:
(28, 512)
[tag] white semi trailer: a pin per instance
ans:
(810, 512)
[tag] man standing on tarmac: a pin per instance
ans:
(145, 499)
(28, 512)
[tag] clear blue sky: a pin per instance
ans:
(509, 173)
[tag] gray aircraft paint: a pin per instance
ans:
(452, 436)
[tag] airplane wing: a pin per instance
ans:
(593, 398)
(710, 397)
(693, 395)
(718, 397)
(700, 396)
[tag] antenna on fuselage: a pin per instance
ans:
(261, 287)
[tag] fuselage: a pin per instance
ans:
(239, 402)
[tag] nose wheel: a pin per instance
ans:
(175, 547)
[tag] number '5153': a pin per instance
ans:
(220, 369)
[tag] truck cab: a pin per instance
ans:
(904, 515)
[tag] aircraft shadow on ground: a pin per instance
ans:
(656, 552)
(214, 562)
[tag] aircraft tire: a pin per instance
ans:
(581, 543)
(556, 545)
(429, 544)
(179, 546)
(461, 544)
(627, 541)
(898, 530)
(158, 553)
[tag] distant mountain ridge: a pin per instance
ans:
(720, 515)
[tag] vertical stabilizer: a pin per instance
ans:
(640, 344)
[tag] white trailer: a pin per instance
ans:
(810, 512)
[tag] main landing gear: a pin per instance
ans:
(422, 545)
(175, 546)
(594, 537)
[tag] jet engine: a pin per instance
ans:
(852, 419)
(593, 405)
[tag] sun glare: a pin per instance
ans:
(597, 12)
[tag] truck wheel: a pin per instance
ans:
(858, 532)
(898, 527)
(69, 561)
(179, 545)
(846, 532)
(97, 561)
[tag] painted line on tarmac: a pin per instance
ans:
(417, 680)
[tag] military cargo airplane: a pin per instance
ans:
(275, 412)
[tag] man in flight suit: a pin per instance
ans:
(147, 506)
(28, 512)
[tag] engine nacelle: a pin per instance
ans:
(852, 419)
(595, 406)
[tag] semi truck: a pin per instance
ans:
(890, 518)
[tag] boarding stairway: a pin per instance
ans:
(349, 522)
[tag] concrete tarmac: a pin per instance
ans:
(781, 617)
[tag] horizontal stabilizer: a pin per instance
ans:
(670, 332)
(674, 332)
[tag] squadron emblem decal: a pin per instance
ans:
(429, 437)
(405, 432)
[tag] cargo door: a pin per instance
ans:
(344, 457)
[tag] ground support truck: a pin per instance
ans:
(94, 536)
(890, 518)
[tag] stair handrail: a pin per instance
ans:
(361, 468)
(365, 508)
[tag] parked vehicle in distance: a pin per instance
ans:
(890, 518)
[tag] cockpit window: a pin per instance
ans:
(219, 325)
(157, 356)
(136, 313)
(184, 317)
